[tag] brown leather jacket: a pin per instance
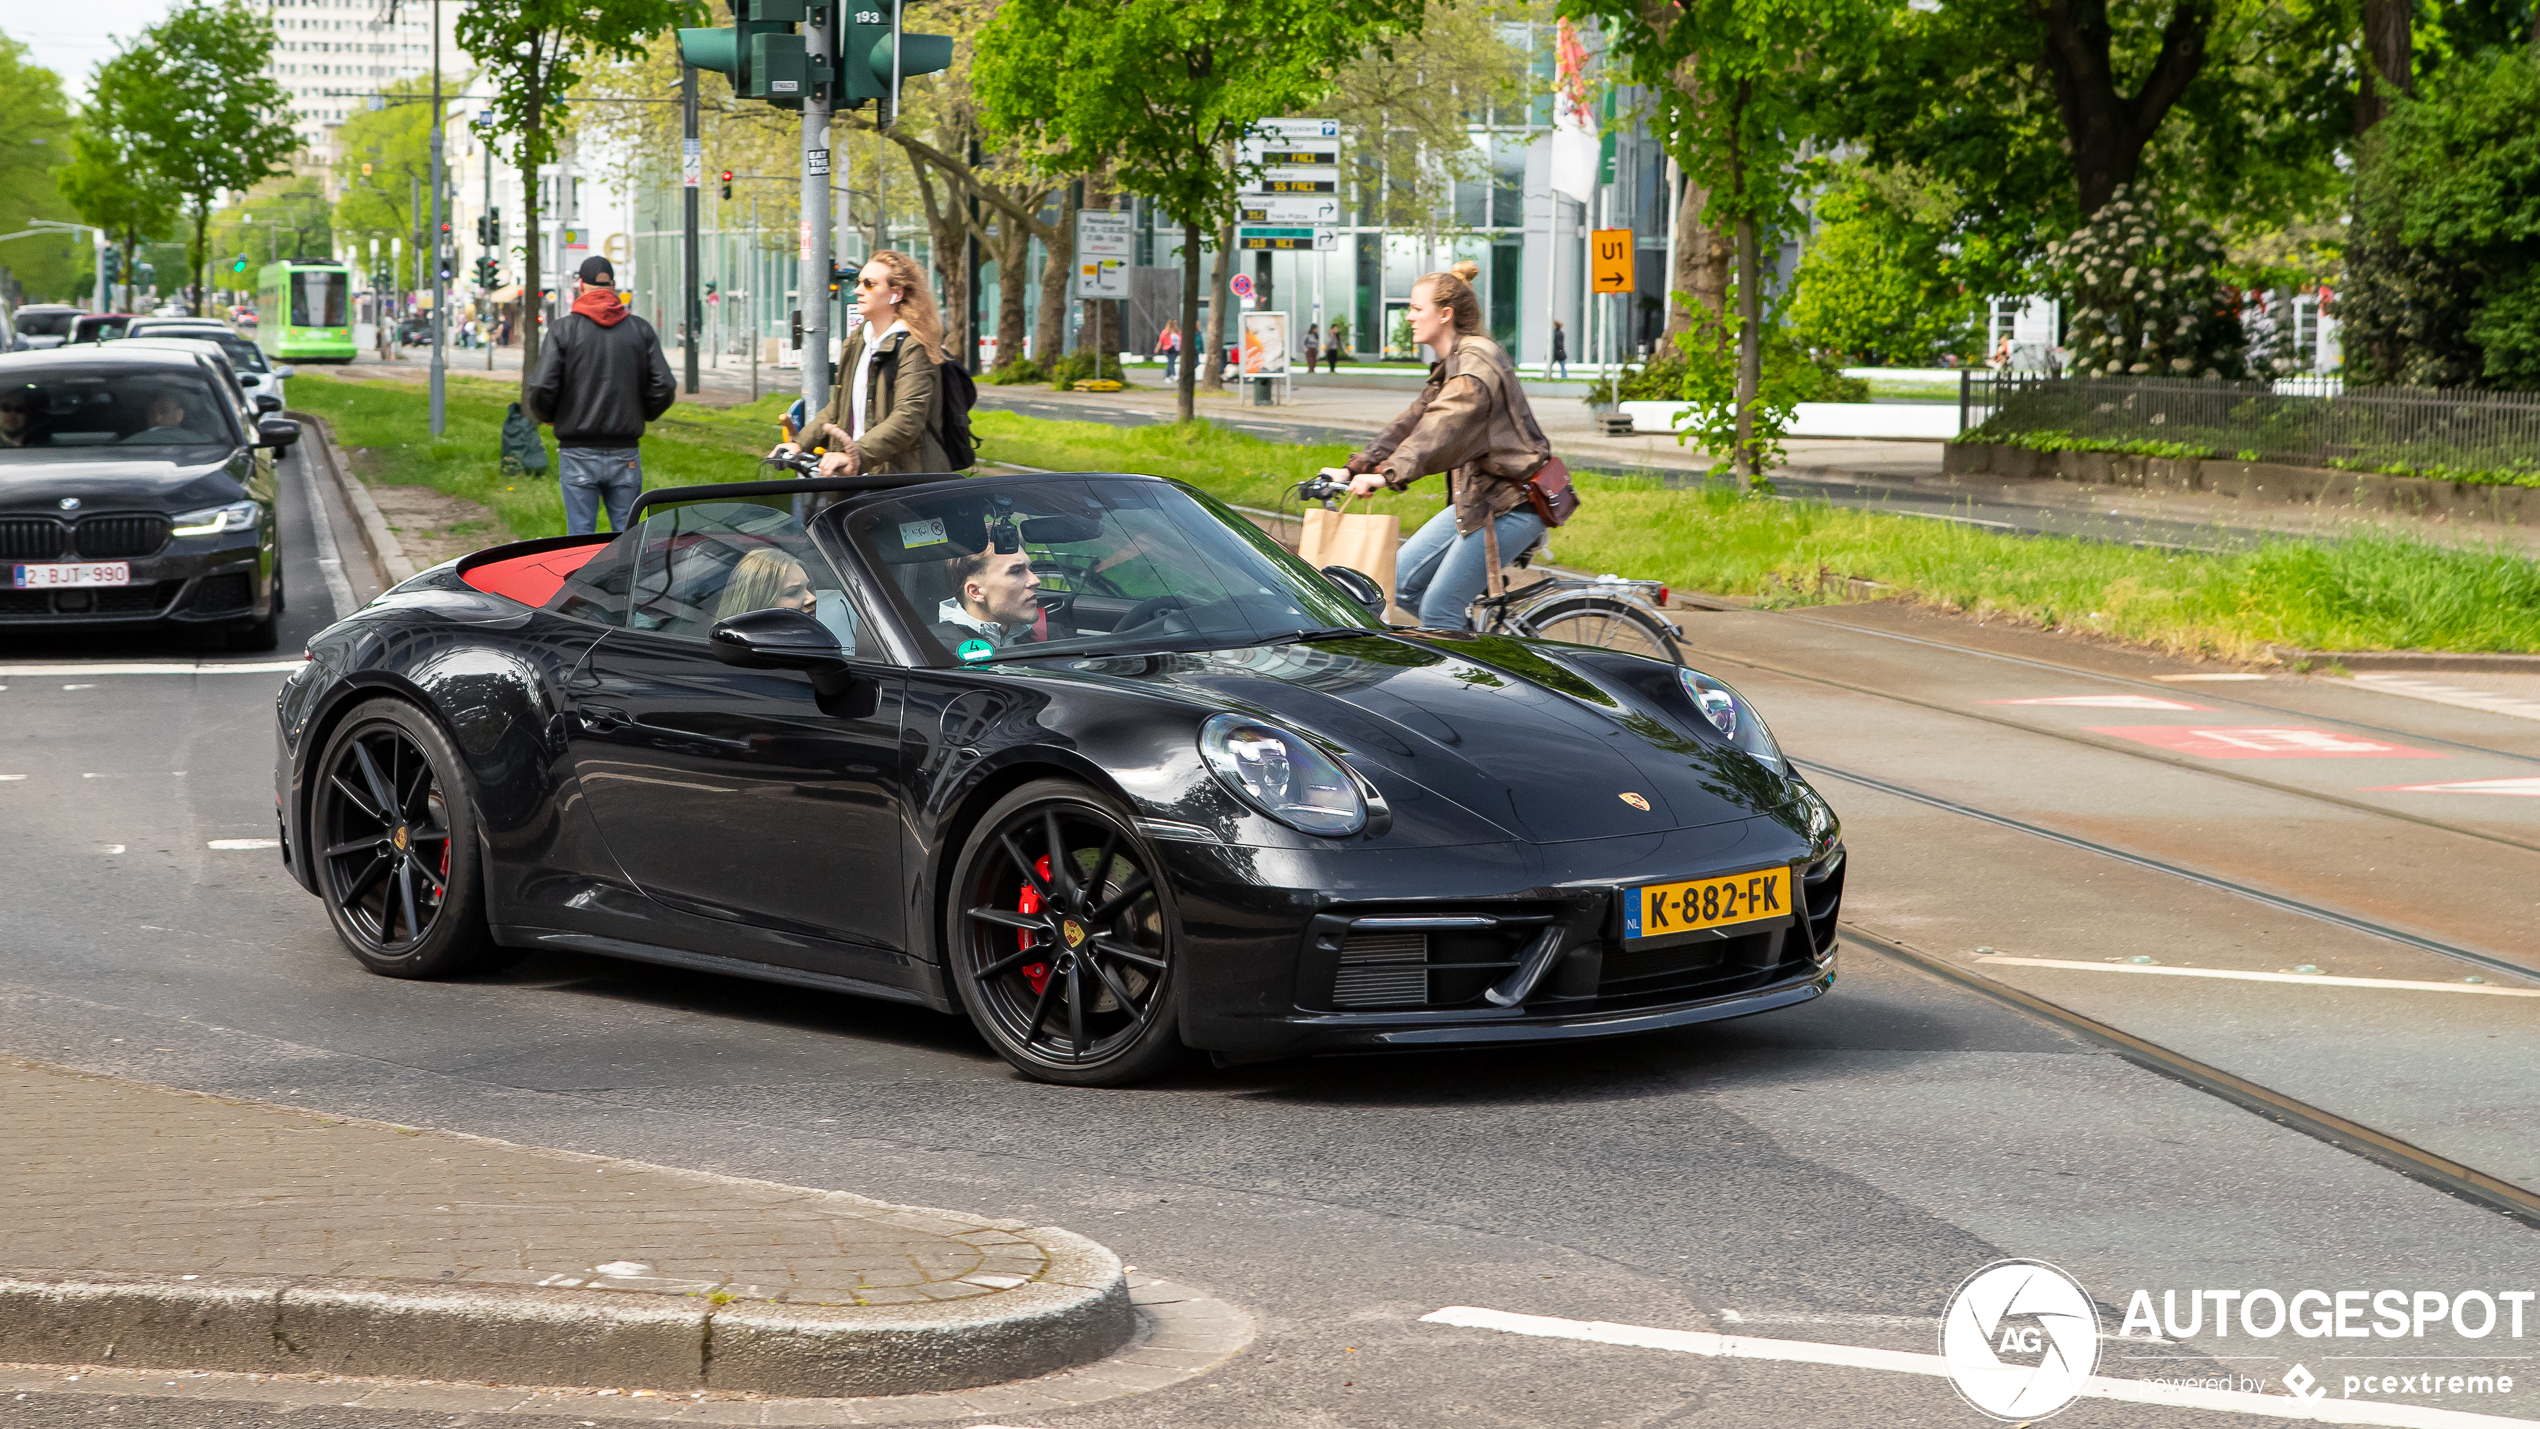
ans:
(1473, 422)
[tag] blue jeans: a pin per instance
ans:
(591, 474)
(1439, 573)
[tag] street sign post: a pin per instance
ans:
(1291, 209)
(1300, 239)
(1610, 260)
(1105, 243)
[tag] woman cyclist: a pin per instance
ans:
(1472, 422)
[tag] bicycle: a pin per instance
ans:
(1606, 612)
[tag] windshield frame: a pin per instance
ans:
(914, 634)
(202, 368)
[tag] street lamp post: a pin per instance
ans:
(440, 250)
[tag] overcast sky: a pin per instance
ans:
(70, 38)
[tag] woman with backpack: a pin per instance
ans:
(1471, 421)
(885, 412)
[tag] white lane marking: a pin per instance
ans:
(1710, 1346)
(79, 687)
(11, 778)
(2527, 788)
(2202, 679)
(330, 559)
(244, 843)
(2238, 975)
(160, 667)
(110, 848)
(2416, 689)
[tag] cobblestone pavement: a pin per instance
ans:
(103, 1175)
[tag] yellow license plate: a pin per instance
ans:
(1660, 910)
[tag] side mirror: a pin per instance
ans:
(277, 433)
(282, 372)
(267, 402)
(1358, 586)
(776, 639)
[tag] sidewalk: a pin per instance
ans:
(161, 1229)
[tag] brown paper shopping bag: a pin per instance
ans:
(1363, 541)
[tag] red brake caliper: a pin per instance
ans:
(1037, 974)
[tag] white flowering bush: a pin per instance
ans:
(2148, 298)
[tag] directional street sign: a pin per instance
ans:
(1324, 209)
(1281, 240)
(1610, 265)
(1295, 128)
(1105, 243)
(1320, 179)
(1291, 157)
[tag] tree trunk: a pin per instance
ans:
(945, 232)
(1702, 261)
(1184, 404)
(202, 235)
(1013, 250)
(1219, 300)
(530, 308)
(2106, 131)
(1750, 347)
(1051, 344)
(2389, 62)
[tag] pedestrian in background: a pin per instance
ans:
(1170, 344)
(601, 376)
(881, 414)
(1560, 348)
(1313, 346)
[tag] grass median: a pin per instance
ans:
(2373, 591)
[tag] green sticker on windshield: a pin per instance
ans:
(975, 650)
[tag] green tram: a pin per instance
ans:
(304, 311)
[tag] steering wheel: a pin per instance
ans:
(1148, 610)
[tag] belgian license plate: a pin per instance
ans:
(71, 575)
(1662, 910)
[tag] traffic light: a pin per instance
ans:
(114, 265)
(761, 54)
(240, 266)
(865, 54)
(484, 233)
(727, 185)
(486, 275)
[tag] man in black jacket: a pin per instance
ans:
(600, 378)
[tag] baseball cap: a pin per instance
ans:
(597, 270)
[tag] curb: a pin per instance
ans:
(1077, 1312)
(2463, 661)
(385, 553)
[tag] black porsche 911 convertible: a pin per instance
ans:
(1086, 756)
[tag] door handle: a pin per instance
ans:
(601, 719)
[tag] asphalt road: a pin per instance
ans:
(1824, 1174)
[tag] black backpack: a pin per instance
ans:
(955, 395)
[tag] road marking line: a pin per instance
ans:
(2179, 1396)
(110, 848)
(244, 843)
(2202, 679)
(2239, 975)
(2527, 788)
(11, 778)
(330, 558)
(160, 667)
(2261, 742)
(2489, 700)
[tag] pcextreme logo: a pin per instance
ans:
(2020, 1338)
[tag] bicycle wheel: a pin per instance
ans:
(1603, 622)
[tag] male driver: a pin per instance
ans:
(600, 378)
(17, 416)
(995, 607)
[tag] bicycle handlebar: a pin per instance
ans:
(1321, 488)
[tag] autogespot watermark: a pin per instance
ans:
(2021, 1340)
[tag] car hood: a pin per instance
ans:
(1532, 746)
(39, 480)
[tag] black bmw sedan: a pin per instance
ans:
(137, 488)
(1087, 758)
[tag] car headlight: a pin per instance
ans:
(1733, 717)
(1283, 776)
(212, 520)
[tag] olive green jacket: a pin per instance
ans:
(899, 407)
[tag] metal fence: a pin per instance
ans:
(2302, 421)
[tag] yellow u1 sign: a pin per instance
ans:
(1610, 260)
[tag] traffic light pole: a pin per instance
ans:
(441, 244)
(691, 316)
(820, 37)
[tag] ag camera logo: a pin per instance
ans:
(2020, 1338)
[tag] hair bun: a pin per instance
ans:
(1467, 270)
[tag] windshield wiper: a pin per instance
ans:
(1182, 643)
(1320, 632)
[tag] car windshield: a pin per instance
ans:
(998, 570)
(55, 324)
(242, 354)
(121, 406)
(317, 297)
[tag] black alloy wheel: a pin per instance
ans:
(395, 834)
(1062, 939)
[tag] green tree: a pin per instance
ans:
(202, 115)
(533, 53)
(386, 161)
(2146, 294)
(2445, 260)
(1159, 91)
(35, 133)
(1879, 281)
(1405, 108)
(279, 218)
(107, 186)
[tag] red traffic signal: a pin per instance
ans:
(727, 183)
